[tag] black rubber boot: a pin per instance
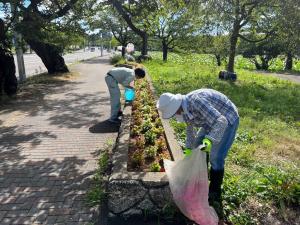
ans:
(215, 191)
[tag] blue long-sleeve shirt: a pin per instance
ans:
(210, 110)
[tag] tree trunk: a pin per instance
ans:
(288, 61)
(123, 51)
(218, 58)
(257, 65)
(165, 50)
(233, 42)
(264, 63)
(49, 53)
(8, 79)
(145, 44)
(50, 56)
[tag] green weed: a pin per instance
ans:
(155, 167)
(116, 58)
(97, 193)
(269, 110)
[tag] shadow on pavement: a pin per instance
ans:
(97, 61)
(104, 127)
(47, 191)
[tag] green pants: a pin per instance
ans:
(115, 95)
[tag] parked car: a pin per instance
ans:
(92, 49)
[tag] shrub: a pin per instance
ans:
(150, 137)
(147, 125)
(155, 167)
(150, 152)
(157, 122)
(135, 130)
(137, 158)
(160, 143)
(158, 131)
(140, 141)
(115, 58)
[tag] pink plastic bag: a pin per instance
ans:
(189, 186)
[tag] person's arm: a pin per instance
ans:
(131, 85)
(129, 82)
(190, 136)
(217, 130)
(213, 118)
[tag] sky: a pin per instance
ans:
(1, 11)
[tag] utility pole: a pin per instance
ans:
(101, 44)
(19, 51)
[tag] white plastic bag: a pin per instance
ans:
(188, 182)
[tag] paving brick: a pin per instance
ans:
(2, 214)
(17, 213)
(49, 151)
(50, 220)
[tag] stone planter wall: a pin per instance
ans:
(134, 194)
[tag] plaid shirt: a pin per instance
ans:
(210, 110)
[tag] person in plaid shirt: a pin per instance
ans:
(212, 119)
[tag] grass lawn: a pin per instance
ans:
(262, 180)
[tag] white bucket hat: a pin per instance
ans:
(168, 104)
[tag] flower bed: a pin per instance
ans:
(148, 146)
(133, 189)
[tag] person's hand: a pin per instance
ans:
(187, 151)
(208, 145)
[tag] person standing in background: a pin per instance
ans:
(125, 77)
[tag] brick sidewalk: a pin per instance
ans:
(47, 152)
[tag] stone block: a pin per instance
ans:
(161, 196)
(124, 194)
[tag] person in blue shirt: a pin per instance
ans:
(212, 119)
(125, 77)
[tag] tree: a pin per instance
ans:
(135, 13)
(217, 45)
(171, 21)
(8, 79)
(266, 51)
(110, 20)
(288, 29)
(35, 18)
(238, 17)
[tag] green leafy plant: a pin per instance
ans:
(160, 143)
(281, 186)
(147, 125)
(150, 137)
(150, 152)
(157, 122)
(146, 109)
(155, 167)
(115, 58)
(158, 131)
(140, 142)
(97, 192)
(135, 131)
(137, 158)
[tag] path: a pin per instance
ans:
(49, 147)
(285, 76)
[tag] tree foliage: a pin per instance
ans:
(261, 54)
(46, 26)
(239, 17)
(135, 13)
(171, 22)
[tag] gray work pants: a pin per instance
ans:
(115, 95)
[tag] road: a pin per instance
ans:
(34, 64)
